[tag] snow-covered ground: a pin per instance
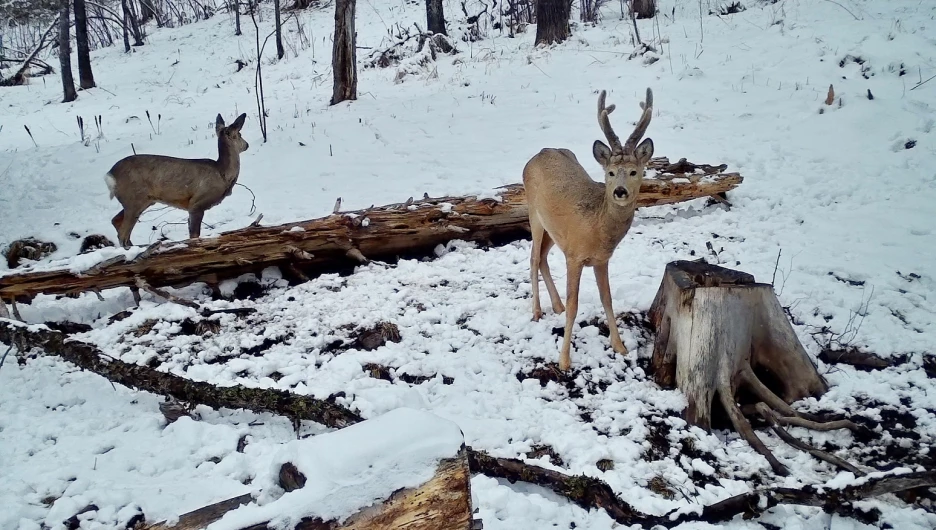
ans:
(845, 196)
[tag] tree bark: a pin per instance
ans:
(339, 241)
(643, 8)
(124, 28)
(552, 21)
(237, 21)
(344, 53)
(68, 82)
(85, 76)
(280, 51)
(148, 12)
(134, 23)
(718, 332)
(435, 17)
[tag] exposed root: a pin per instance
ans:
(771, 417)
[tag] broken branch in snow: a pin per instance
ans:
(88, 357)
(441, 503)
(588, 492)
(392, 231)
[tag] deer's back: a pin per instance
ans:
(555, 178)
(165, 179)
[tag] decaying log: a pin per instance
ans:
(586, 491)
(341, 240)
(202, 517)
(88, 357)
(441, 503)
(719, 331)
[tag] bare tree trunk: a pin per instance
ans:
(126, 32)
(280, 52)
(147, 12)
(552, 21)
(68, 82)
(134, 23)
(344, 54)
(435, 17)
(237, 25)
(85, 76)
(643, 8)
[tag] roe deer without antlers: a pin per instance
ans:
(194, 185)
(586, 219)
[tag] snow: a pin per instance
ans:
(828, 198)
(349, 469)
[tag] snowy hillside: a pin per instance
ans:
(845, 197)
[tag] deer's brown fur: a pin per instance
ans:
(584, 218)
(194, 185)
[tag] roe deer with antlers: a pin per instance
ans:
(584, 218)
(194, 185)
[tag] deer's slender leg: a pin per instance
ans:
(194, 222)
(548, 242)
(117, 221)
(537, 230)
(130, 217)
(574, 268)
(604, 291)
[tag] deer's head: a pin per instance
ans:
(624, 165)
(230, 135)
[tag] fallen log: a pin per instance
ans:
(88, 357)
(343, 240)
(588, 492)
(382, 456)
(19, 78)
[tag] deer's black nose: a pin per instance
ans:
(620, 192)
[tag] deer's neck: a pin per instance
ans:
(615, 219)
(228, 161)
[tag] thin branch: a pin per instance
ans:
(843, 7)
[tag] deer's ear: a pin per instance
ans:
(644, 151)
(601, 152)
(239, 122)
(219, 124)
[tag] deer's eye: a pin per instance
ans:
(633, 173)
(610, 173)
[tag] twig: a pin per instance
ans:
(256, 222)
(30, 135)
(16, 313)
(141, 283)
(836, 3)
(253, 201)
(776, 266)
(2, 359)
(921, 83)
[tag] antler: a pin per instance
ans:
(605, 122)
(642, 125)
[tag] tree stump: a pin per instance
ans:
(718, 332)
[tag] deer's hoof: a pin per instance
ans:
(537, 314)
